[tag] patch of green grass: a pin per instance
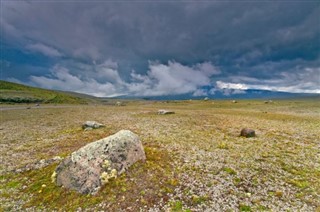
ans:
(229, 170)
(299, 183)
(237, 181)
(223, 145)
(261, 208)
(14, 184)
(244, 207)
(199, 199)
(176, 206)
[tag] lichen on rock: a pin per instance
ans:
(96, 163)
(106, 176)
(54, 177)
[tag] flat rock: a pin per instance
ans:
(91, 125)
(93, 165)
(246, 132)
(165, 112)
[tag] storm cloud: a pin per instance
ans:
(162, 48)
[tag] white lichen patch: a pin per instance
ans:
(106, 176)
(106, 165)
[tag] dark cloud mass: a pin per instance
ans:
(161, 48)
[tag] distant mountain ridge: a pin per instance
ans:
(17, 93)
(244, 94)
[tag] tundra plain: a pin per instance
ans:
(196, 160)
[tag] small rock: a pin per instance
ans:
(206, 99)
(245, 132)
(165, 112)
(234, 101)
(119, 104)
(92, 125)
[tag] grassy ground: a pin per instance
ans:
(195, 158)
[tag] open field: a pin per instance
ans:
(196, 160)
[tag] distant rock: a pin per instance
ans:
(206, 99)
(120, 104)
(93, 165)
(89, 125)
(245, 132)
(234, 101)
(165, 112)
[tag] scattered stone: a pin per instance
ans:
(120, 104)
(245, 132)
(93, 165)
(234, 101)
(89, 125)
(165, 112)
(206, 99)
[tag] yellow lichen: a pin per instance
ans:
(105, 176)
(54, 177)
(113, 173)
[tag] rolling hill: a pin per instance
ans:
(18, 93)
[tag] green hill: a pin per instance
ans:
(17, 93)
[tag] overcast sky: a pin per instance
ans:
(155, 48)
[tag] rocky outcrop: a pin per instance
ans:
(93, 165)
(245, 132)
(165, 112)
(89, 125)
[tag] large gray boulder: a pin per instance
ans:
(93, 165)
